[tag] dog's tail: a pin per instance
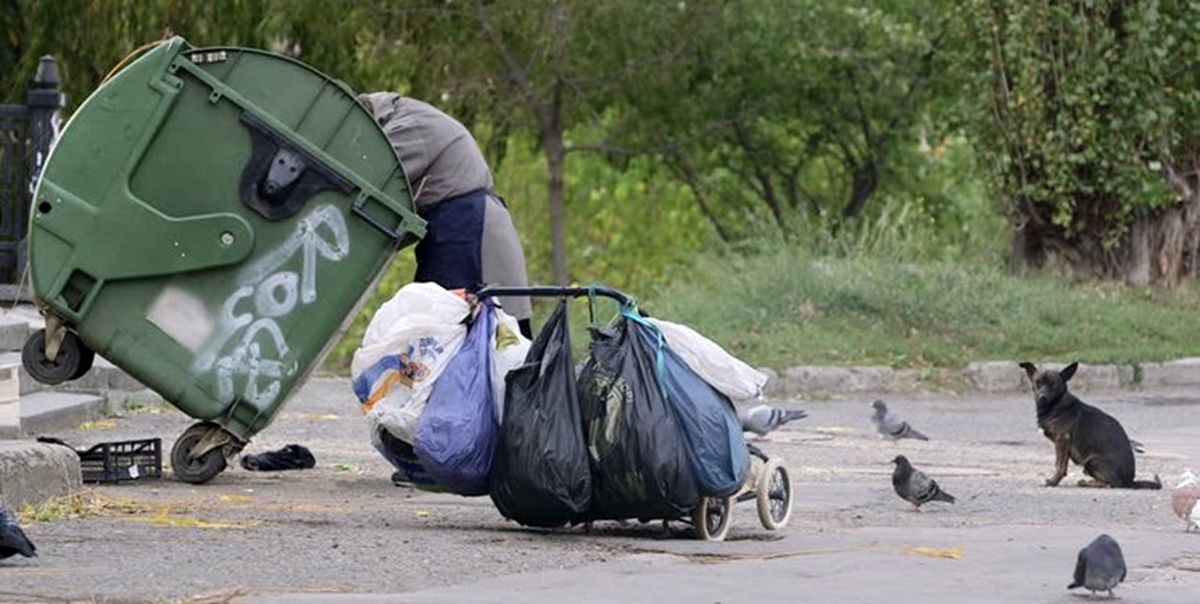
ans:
(1148, 484)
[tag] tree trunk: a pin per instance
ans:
(683, 167)
(1158, 249)
(555, 156)
(1136, 269)
(866, 179)
(1018, 261)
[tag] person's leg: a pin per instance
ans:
(503, 261)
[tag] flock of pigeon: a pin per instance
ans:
(1099, 567)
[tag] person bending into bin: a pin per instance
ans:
(470, 238)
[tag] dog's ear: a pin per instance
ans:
(1068, 371)
(1029, 368)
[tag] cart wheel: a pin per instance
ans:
(774, 495)
(712, 518)
(72, 359)
(196, 470)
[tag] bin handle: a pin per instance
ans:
(358, 208)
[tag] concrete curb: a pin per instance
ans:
(43, 413)
(31, 473)
(988, 376)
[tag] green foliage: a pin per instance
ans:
(793, 114)
(1088, 103)
(790, 308)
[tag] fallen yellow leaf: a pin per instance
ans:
(100, 424)
(833, 430)
(234, 498)
(322, 416)
(422, 513)
(953, 553)
(164, 518)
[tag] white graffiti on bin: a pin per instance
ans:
(264, 294)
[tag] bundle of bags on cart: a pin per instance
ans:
(459, 401)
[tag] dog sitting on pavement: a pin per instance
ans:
(1082, 433)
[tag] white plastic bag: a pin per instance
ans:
(510, 349)
(723, 371)
(407, 345)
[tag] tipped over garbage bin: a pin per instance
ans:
(207, 220)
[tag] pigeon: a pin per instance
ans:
(12, 539)
(892, 426)
(1183, 500)
(913, 486)
(762, 419)
(1100, 566)
(1138, 447)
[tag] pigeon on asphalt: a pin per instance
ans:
(762, 419)
(12, 539)
(889, 425)
(1184, 497)
(1100, 566)
(913, 486)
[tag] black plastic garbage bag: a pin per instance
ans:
(716, 448)
(640, 467)
(540, 474)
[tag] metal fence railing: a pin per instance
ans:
(27, 131)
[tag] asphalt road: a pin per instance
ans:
(343, 533)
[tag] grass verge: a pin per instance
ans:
(788, 308)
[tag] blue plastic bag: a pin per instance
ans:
(456, 435)
(715, 447)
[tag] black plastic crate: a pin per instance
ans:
(122, 461)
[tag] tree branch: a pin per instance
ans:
(514, 71)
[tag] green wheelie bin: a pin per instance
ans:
(209, 220)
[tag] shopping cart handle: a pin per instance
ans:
(539, 291)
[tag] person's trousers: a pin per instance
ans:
(470, 240)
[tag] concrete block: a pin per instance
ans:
(13, 332)
(121, 400)
(45, 412)
(1101, 377)
(996, 376)
(1182, 372)
(119, 380)
(31, 473)
(102, 377)
(774, 381)
(909, 380)
(838, 379)
(10, 401)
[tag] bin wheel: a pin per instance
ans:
(74, 359)
(86, 359)
(196, 470)
(774, 495)
(712, 518)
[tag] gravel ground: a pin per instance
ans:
(343, 527)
